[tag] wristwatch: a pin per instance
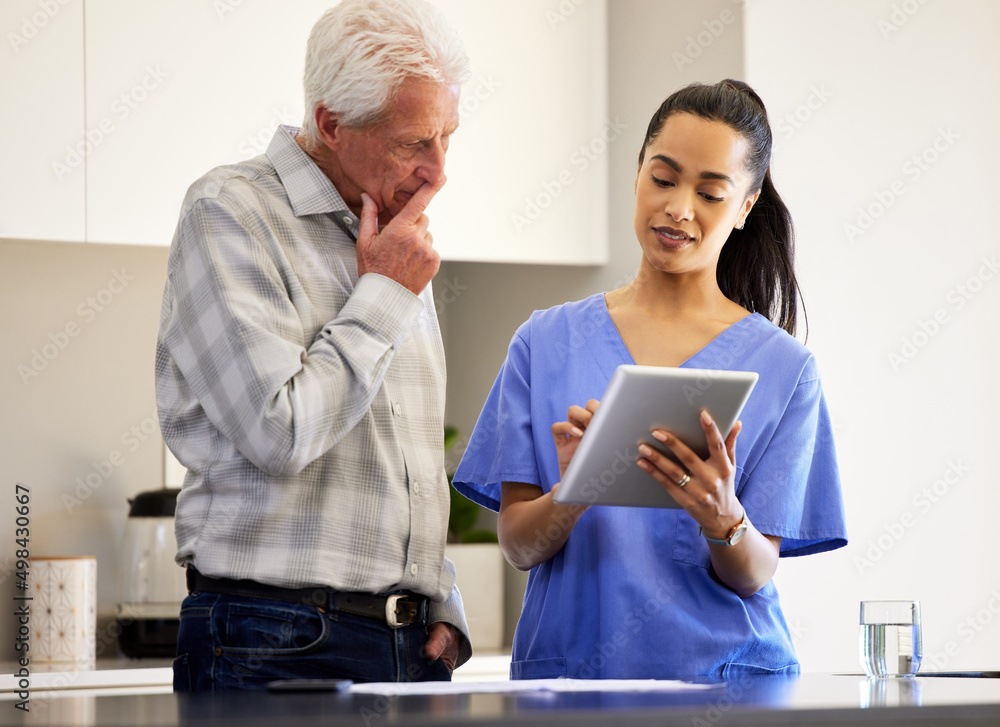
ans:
(735, 535)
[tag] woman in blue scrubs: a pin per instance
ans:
(620, 592)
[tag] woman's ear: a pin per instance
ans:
(747, 206)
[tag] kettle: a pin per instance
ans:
(152, 584)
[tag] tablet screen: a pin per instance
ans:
(638, 399)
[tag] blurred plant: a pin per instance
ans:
(464, 512)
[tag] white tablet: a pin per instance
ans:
(638, 399)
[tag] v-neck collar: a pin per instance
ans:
(719, 353)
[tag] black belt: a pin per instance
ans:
(397, 609)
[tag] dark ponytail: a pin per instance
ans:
(756, 265)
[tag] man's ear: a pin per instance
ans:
(329, 127)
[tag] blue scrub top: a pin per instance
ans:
(632, 594)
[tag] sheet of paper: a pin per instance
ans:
(400, 689)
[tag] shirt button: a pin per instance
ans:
(348, 220)
(416, 488)
(414, 569)
(397, 410)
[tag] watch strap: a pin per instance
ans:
(743, 524)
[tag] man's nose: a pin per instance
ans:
(431, 167)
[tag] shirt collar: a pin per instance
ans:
(310, 192)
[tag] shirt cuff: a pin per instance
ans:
(452, 612)
(383, 305)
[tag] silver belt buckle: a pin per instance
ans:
(390, 611)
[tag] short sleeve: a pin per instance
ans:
(501, 448)
(794, 489)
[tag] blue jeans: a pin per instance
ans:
(237, 642)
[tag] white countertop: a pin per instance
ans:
(155, 676)
(130, 675)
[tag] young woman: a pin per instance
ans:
(617, 592)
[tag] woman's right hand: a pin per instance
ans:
(567, 434)
(532, 527)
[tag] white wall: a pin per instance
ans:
(886, 115)
(78, 426)
(882, 100)
(653, 50)
(481, 305)
(867, 87)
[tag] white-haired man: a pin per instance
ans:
(300, 376)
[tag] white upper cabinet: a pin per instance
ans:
(176, 88)
(528, 167)
(186, 85)
(43, 142)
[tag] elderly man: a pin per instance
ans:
(300, 376)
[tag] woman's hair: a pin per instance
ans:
(360, 51)
(756, 265)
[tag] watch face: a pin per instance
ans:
(735, 535)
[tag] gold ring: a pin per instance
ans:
(684, 480)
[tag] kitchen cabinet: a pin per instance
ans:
(186, 86)
(528, 168)
(43, 141)
(174, 89)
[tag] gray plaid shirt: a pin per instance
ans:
(306, 404)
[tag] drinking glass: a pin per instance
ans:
(890, 640)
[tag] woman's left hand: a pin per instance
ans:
(705, 488)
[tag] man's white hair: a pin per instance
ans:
(360, 52)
